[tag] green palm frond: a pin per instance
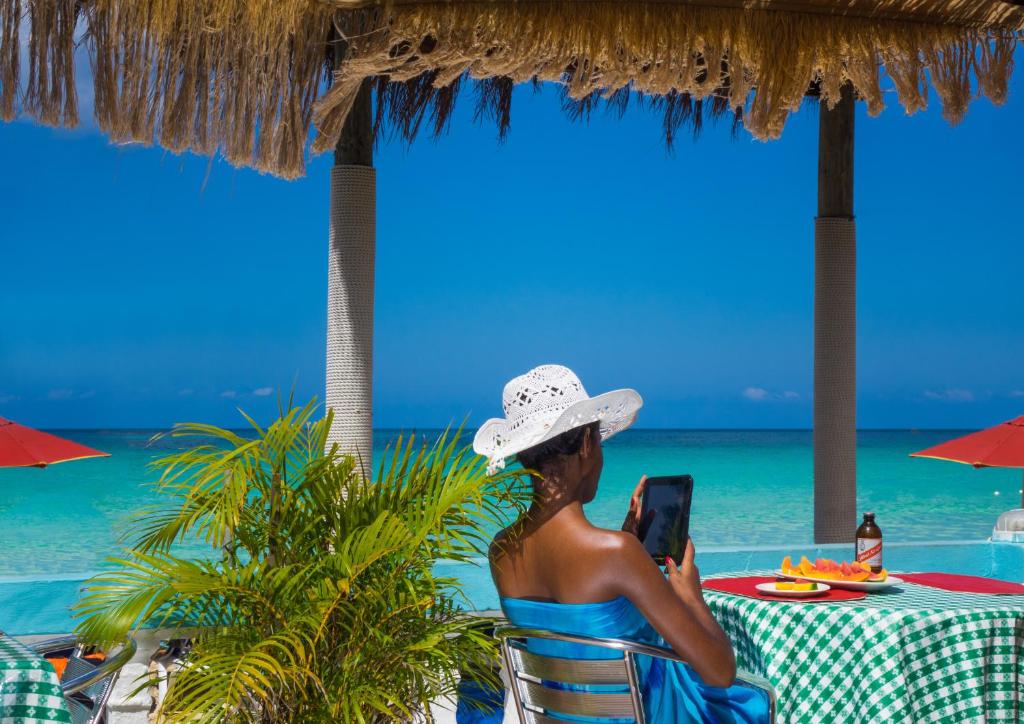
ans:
(317, 600)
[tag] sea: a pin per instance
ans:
(752, 488)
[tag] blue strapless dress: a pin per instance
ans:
(672, 693)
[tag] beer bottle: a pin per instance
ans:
(869, 543)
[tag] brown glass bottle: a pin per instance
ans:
(869, 543)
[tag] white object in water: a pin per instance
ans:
(1010, 527)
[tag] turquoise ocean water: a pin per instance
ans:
(752, 502)
(753, 488)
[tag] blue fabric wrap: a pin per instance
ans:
(489, 706)
(672, 692)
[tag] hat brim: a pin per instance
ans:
(615, 411)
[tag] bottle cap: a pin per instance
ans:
(869, 515)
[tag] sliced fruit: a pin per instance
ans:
(845, 569)
(806, 567)
(787, 564)
(805, 586)
(784, 585)
(864, 565)
(822, 564)
(880, 576)
(858, 576)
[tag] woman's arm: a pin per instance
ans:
(674, 606)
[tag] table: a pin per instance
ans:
(29, 688)
(912, 654)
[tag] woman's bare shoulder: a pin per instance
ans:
(601, 548)
(501, 544)
(617, 542)
(602, 564)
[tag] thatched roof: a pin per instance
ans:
(249, 78)
(1007, 14)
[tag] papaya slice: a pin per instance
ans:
(859, 576)
(806, 567)
(864, 565)
(787, 563)
(880, 576)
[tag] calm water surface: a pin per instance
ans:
(752, 488)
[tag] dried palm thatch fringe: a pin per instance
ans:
(50, 94)
(10, 61)
(240, 76)
(249, 78)
(402, 107)
(757, 63)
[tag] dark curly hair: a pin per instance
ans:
(543, 456)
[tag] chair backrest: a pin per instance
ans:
(87, 701)
(85, 682)
(546, 687)
(595, 688)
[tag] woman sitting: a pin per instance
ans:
(554, 570)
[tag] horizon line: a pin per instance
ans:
(632, 429)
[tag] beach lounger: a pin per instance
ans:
(543, 685)
(86, 679)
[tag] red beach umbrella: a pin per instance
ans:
(23, 447)
(1001, 446)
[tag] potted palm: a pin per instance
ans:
(318, 599)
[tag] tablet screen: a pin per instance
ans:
(665, 516)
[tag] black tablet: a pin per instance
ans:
(665, 516)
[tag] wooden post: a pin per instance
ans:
(350, 287)
(835, 329)
(355, 145)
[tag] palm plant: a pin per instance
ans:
(319, 600)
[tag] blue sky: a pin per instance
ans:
(140, 288)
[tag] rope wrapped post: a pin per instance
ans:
(835, 329)
(351, 284)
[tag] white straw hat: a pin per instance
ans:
(545, 402)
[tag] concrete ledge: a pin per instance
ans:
(126, 704)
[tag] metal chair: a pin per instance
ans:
(86, 683)
(614, 691)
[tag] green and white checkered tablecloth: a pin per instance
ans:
(29, 689)
(912, 654)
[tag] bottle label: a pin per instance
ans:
(869, 550)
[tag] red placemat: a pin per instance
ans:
(964, 584)
(747, 586)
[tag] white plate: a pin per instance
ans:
(771, 590)
(848, 585)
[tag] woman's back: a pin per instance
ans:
(562, 559)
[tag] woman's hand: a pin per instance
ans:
(675, 607)
(632, 522)
(685, 579)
